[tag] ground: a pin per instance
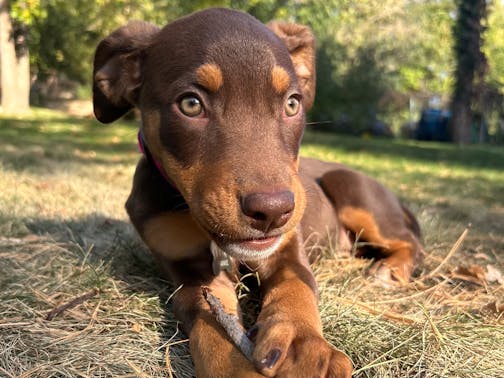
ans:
(64, 233)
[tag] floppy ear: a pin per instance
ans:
(117, 70)
(300, 42)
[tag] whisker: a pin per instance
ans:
(319, 122)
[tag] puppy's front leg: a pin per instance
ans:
(289, 340)
(213, 352)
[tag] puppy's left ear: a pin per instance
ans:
(300, 42)
(117, 75)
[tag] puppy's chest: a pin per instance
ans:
(174, 235)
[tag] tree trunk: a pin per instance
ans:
(14, 66)
(462, 105)
(470, 70)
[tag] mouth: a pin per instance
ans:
(251, 249)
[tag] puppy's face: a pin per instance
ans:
(223, 106)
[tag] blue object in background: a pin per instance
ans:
(433, 125)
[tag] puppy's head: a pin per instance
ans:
(223, 100)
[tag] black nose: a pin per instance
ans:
(267, 211)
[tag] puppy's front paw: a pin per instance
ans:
(284, 351)
(392, 271)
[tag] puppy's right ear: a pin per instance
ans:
(117, 74)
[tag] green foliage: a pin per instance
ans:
(26, 11)
(494, 45)
(428, 56)
(62, 34)
(373, 55)
(67, 48)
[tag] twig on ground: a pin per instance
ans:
(138, 371)
(454, 249)
(168, 361)
(437, 334)
(230, 323)
(386, 314)
(74, 302)
(411, 296)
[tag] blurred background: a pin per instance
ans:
(422, 69)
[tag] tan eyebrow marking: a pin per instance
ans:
(280, 79)
(209, 75)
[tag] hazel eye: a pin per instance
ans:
(292, 106)
(191, 106)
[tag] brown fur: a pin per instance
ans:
(232, 177)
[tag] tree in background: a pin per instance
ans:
(471, 66)
(65, 33)
(493, 101)
(49, 39)
(14, 62)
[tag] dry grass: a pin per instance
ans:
(435, 328)
(64, 232)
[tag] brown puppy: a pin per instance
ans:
(223, 101)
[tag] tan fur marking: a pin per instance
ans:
(280, 79)
(296, 164)
(174, 236)
(363, 223)
(183, 178)
(210, 76)
(300, 196)
(399, 262)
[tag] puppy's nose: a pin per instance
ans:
(267, 211)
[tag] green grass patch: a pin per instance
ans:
(64, 232)
(43, 134)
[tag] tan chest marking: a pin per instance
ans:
(174, 236)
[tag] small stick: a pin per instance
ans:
(386, 314)
(230, 323)
(74, 302)
(453, 249)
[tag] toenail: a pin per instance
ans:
(271, 359)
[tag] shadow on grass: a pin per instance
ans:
(99, 239)
(480, 156)
(111, 248)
